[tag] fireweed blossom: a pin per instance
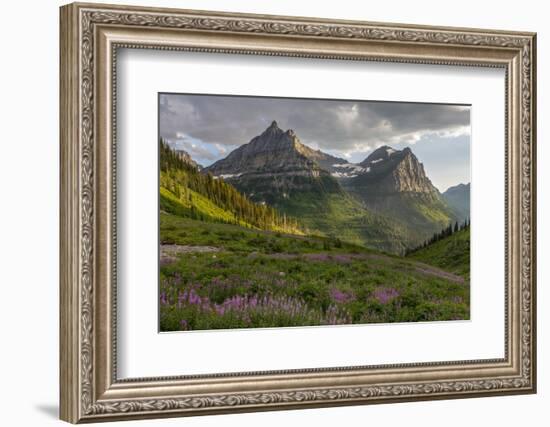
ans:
(190, 297)
(385, 295)
(341, 297)
(251, 309)
(336, 317)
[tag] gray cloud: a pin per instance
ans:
(339, 126)
(202, 152)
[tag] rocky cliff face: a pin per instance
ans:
(274, 151)
(326, 161)
(272, 166)
(394, 183)
(186, 157)
(388, 171)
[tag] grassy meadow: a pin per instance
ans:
(451, 254)
(230, 276)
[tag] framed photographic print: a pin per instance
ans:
(265, 212)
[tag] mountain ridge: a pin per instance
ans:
(458, 197)
(273, 166)
(264, 149)
(391, 170)
(277, 169)
(389, 188)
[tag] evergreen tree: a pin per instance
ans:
(446, 232)
(181, 178)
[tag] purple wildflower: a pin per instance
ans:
(385, 295)
(341, 297)
(250, 310)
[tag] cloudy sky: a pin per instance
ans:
(209, 127)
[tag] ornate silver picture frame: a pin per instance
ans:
(90, 387)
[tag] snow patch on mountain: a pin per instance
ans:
(227, 175)
(348, 170)
(343, 175)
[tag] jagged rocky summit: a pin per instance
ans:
(387, 170)
(186, 157)
(274, 165)
(274, 151)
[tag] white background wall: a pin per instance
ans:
(29, 170)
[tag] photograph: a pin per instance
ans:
(279, 212)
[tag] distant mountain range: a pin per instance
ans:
(458, 197)
(386, 201)
(277, 169)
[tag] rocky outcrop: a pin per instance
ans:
(186, 157)
(324, 160)
(389, 171)
(394, 184)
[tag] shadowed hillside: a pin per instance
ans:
(451, 253)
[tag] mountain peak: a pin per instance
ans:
(382, 153)
(274, 165)
(273, 127)
(274, 151)
(273, 131)
(391, 170)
